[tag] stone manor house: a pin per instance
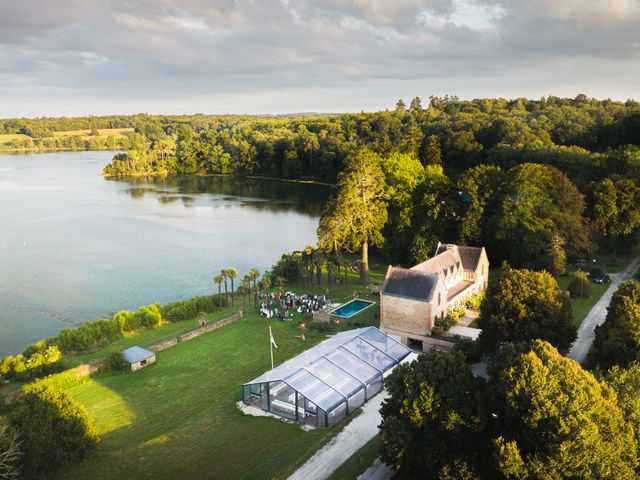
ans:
(411, 299)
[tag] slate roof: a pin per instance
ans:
(470, 257)
(136, 354)
(442, 262)
(410, 283)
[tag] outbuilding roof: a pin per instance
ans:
(136, 354)
(410, 283)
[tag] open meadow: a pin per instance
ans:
(178, 418)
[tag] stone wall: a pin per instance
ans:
(163, 345)
(209, 328)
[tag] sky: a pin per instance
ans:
(95, 57)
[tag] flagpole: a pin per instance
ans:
(271, 345)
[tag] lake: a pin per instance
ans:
(76, 246)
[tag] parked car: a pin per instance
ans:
(602, 278)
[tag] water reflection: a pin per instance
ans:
(259, 194)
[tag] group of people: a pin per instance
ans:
(282, 305)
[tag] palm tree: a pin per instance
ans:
(225, 276)
(255, 274)
(309, 256)
(232, 273)
(218, 279)
(246, 287)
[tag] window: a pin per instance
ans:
(483, 269)
(439, 298)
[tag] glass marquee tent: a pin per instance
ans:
(322, 385)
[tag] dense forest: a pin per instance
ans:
(538, 182)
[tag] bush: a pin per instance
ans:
(475, 301)
(55, 429)
(121, 324)
(580, 286)
(442, 325)
(186, 309)
(115, 362)
(38, 364)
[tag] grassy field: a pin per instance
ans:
(6, 139)
(178, 419)
(359, 461)
(102, 132)
(581, 306)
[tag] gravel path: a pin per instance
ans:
(352, 437)
(586, 332)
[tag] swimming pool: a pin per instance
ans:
(349, 309)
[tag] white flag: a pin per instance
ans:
(273, 342)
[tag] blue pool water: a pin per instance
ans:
(350, 309)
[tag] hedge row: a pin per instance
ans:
(122, 323)
(191, 308)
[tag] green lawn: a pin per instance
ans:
(178, 419)
(359, 461)
(581, 306)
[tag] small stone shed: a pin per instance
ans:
(138, 357)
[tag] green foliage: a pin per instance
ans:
(523, 305)
(55, 430)
(122, 323)
(475, 300)
(442, 325)
(626, 384)
(431, 418)
(38, 364)
(580, 286)
(356, 218)
(115, 362)
(555, 420)
(617, 340)
(10, 451)
(190, 308)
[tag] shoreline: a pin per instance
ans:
(253, 177)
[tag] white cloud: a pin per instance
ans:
(294, 55)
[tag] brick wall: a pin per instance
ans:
(404, 314)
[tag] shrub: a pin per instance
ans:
(114, 362)
(475, 301)
(122, 323)
(186, 309)
(39, 364)
(442, 325)
(55, 429)
(580, 286)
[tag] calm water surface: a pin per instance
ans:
(75, 246)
